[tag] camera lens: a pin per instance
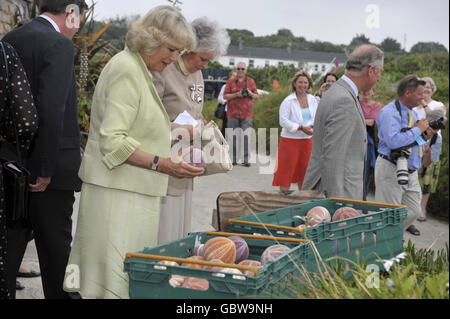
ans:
(402, 171)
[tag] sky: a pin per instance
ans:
(338, 21)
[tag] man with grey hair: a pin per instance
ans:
(336, 166)
(240, 93)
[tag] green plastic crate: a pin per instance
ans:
(148, 280)
(377, 233)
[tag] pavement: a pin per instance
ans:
(434, 233)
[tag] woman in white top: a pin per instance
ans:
(297, 112)
(428, 104)
(429, 173)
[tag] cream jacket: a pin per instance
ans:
(126, 114)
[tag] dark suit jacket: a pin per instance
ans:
(48, 59)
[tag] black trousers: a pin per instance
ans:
(51, 222)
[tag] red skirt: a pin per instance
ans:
(292, 161)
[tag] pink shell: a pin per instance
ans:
(273, 252)
(249, 262)
(196, 283)
(317, 215)
(214, 268)
(242, 250)
(195, 158)
(198, 250)
(344, 213)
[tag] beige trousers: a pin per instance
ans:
(387, 190)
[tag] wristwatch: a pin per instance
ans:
(154, 166)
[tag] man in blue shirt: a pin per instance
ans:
(406, 135)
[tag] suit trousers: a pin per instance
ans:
(387, 190)
(51, 222)
(238, 138)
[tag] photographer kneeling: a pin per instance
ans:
(402, 139)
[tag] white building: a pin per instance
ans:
(312, 62)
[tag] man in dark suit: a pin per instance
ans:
(45, 47)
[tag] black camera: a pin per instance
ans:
(395, 154)
(437, 124)
(244, 92)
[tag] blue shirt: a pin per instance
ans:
(350, 82)
(390, 137)
(306, 115)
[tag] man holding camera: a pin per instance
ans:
(240, 93)
(401, 149)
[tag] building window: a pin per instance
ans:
(323, 68)
(280, 63)
(231, 61)
(267, 63)
(251, 63)
(316, 67)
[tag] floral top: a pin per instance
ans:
(16, 109)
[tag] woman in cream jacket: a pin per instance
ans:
(127, 162)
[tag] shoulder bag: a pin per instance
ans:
(215, 149)
(15, 176)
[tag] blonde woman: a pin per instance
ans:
(297, 113)
(127, 162)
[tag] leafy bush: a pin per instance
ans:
(423, 274)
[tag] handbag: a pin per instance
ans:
(215, 149)
(15, 176)
(220, 113)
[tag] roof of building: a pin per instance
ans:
(284, 54)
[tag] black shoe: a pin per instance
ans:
(234, 163)
(29, 274)
(246, 164)
(19, 286)
(74, 295)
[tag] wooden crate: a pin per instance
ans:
(238, 204)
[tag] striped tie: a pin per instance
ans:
(410, 125)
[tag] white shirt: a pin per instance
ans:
(51, 21)
(291, 116)
(220, 98)
(432, 105)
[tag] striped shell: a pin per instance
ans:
(344, 213)
(220, 248)
(317, 215)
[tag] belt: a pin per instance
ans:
(410, 171)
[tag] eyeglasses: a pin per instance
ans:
(240, 69)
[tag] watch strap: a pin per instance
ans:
(154, 166)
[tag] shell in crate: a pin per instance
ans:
(174, 280)
(344, 213)
(195, 266)
(241, 248)
(273, 252)
(198, 250)
(220, 248)
(196, 283)
(317, 215)
(249, 262)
